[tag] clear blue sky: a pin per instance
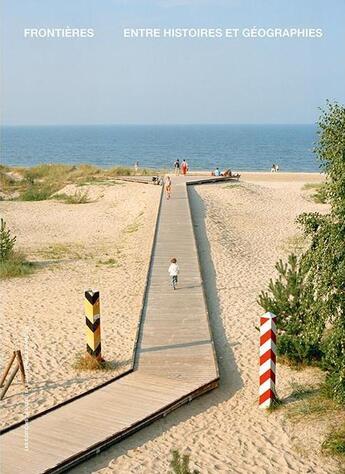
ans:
(109, 79)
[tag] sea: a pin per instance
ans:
(205, 147)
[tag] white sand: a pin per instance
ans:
(42, 314)
(248, 226)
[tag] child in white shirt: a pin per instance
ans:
(173, 272)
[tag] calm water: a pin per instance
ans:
(239, 147)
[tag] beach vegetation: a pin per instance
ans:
(298, 338)
(39, 183)
(126, 171)
(320, 194)
(87, 362)
(59, 251)
(36, 192)
(121, 171)
(245, 187)
(16, 266)
(78, 197)
(335, 442)
(6, 181)
(311, 402)
(308, 297)
(12, 264)
(300, 392)
(7, 241)
(180, 463)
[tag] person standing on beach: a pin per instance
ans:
(173, 272)
(168, 187)
(136, 166)
(177, 167)
(184, 167)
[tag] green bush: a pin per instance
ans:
(309, 295)
(297, 336)
(334, 362)
(36, 192)
(6, 242)
(12, 264)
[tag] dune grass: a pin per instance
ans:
(87, 362)
(334, 443)
(79, 197)
(311, 402)
(320, 195)
(6, 182)
(16, 266)
(36, 192)
(39, 183)
(60, 251)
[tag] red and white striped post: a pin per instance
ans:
(268, 334)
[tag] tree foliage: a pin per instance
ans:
(309, 295)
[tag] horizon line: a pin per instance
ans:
(150, 124)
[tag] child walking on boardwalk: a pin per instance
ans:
(168, 187)
(173, 272)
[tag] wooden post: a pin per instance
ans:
(17, 355)
(21, 366)
(7, 369)
(267, 390)
(93, 324)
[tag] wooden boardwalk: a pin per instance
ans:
(174, 362)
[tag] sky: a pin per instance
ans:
(110, 79)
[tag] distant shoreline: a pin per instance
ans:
(302, 175)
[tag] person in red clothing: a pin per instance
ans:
(184, 167)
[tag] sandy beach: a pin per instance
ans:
(242, 229)
(102, 245)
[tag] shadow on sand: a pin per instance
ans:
(230, 379)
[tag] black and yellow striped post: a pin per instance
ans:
(93, 324)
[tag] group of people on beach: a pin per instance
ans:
(183, 167)
(226, 172)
